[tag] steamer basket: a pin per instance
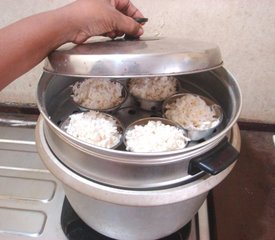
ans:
(151, 170)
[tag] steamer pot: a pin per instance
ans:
(131, 214)
(123, 194)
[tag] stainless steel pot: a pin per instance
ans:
(131, 214)
(125, 194)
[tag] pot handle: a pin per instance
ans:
(214, 161)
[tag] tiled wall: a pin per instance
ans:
(244, 30)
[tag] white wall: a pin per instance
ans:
(244, 30)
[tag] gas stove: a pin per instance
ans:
(33, 204)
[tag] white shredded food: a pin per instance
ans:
(94, 128)
(154, 88)
(97, 93)
(191, 112)
(155, 137)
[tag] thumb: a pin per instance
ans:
(128, 26)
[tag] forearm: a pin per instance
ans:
(25, 43)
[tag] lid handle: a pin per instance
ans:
(139, 20)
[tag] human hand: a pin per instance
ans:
(101, 17)
(44, 32)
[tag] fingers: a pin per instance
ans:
(110, 18)
(128, 26)
(127, 8)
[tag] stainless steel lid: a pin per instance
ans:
(143, 57)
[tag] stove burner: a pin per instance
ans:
(75, 229)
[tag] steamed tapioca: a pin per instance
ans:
(153, 88)
(98, 93)
(154, 136)
(94, 128)
(192, 112)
